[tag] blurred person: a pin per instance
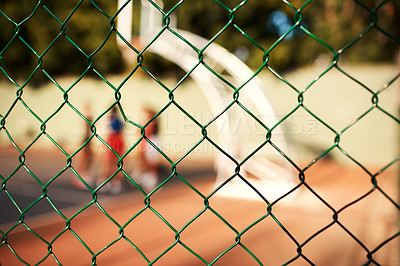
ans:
(115, 139)
(86, 158)
(149, 157)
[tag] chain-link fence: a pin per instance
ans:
(266, 205)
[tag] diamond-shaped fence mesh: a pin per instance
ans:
(220, 164)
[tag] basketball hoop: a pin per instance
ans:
(271, 174)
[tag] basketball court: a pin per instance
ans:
(182, 219)
(334, 214)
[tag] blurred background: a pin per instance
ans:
(331, 81)
(298, 58)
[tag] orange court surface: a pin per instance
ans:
(186, 229)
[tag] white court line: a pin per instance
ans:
(51, 218)
(60, 194)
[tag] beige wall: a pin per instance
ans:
(334, 98)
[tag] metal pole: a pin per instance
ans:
(124, 23)
(398, 144)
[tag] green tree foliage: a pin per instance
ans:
(57, 37)
(337, 23)
(75, 30)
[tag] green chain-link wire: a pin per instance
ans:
(203, 128)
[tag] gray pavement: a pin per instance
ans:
(23, 188)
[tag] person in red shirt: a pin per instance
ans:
(115, 140)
